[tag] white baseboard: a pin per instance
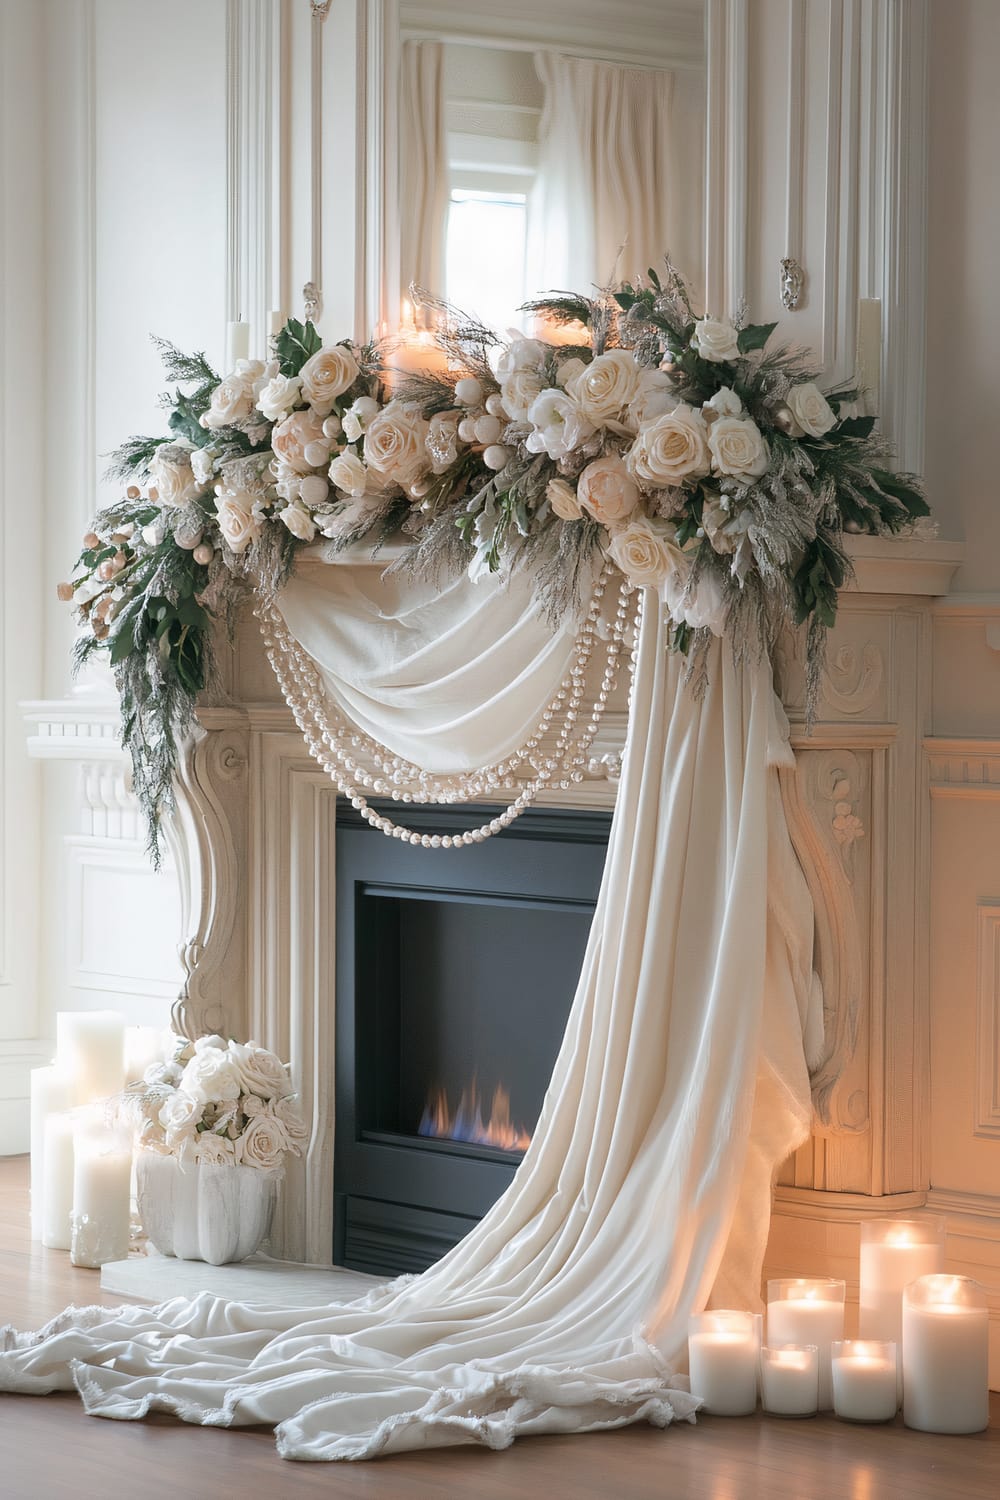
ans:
(17, 1058)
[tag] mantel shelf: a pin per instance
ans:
(903, 565)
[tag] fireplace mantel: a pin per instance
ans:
(254, 844)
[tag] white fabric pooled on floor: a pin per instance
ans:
(680, 1086)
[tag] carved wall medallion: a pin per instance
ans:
(852, 678)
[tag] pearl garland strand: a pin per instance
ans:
(340, 747)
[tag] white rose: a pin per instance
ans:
(737, 448)
(811, 412)
(238, 519)
(725, 403)
(654, 398)
(670, 449)
(290, 440)
(395, 443)
(211, 1076)
(607, 491)
(560, 425)
(259, 1070)
(518, 391)
(715, 339)
(162, 1073)
(171, 472)
(262, 1144)
(203, 465)
(562, 498)
(211, 1043)
(286, 1111)
(349, 474)
(327, 375)
(180, 1116)
(521, 354)
(605, 387)
(231, 403)
(358, 415)
(299, 522)
(442, 440)
(646, 552)
(568, 370)
(214, 1150)
(278, 396)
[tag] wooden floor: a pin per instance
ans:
(50, 1450)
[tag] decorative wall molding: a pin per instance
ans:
(987, 1106)
(726, 158)
(792, 285)
(852, 678)
(965, 768)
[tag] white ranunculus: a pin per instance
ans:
(214, 1150)
(560, 425)
(231, 403)
(395, 443)
(277, 398)
(604, 388)
(737, 448)
(811, 412)
(442, 440)
(239, 519)
(521, 354)
(725, 403)
(349, 474)
(327, 375)
(562, 497)
(358, 415)
(299, 522)
(670, 449)
(646, 552)
(171, 473)
(607, 491)
(211, 1076)
(518, 391)
(715, 339)
(654, 398)
(260, 1071)
(262, 1144)
(292, 437)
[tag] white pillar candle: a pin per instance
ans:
(90, 1047)
(807, 1311)
(894, 1252)
(50, 1094)
(722, 1351)
(790, 1380)
(864, 1380)
(945, 1355)
(276, 320)
(102, 1196)
(237, 344)
(144, 1045)
(57, 1188)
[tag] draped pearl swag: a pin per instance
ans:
(682, 1081)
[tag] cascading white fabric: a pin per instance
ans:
(680, 1085)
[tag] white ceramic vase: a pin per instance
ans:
(203, 1211)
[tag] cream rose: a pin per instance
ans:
(670, 449)
(231, 403)
(171, 473)
(646, 552)
(607, 491)
(560, 425)
(562, 498)
(214, 1150)
(812, 413)
(654, 398)
(737, 448)
(278, 396)
(211, 1076)
(239, 521)
(517, 392)
(299, 522)
(293, 436)
(327, 375)
(259, 1070)
(180, 1116)
(521, 354)
(349, 474)
(725, 403)
(395, 443)
(605, 387)
(262, 1144)
(286, 1111)
(715, 339)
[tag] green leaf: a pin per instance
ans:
(854, 427)
(296, 343)
(754, 336)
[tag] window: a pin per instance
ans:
(485, 255)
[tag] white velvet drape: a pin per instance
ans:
(620, 173)
(680, 1085)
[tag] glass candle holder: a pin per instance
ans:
(789, 1377)
(945, 1355)
(864, 1379)
(808, 1310)
(894, 1252)
(722, 1349)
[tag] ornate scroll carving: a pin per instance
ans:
(852, 679)
(839, 1104)
(207, 837)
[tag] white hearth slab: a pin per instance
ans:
(155, 1278)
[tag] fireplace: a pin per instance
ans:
(455, 974)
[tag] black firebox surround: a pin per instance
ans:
(401, 1201)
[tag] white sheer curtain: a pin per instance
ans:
(423, 152)
(621, 157)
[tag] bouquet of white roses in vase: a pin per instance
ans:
(216, 1119)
